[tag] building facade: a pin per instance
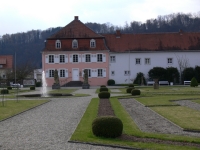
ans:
(114, 56)
(6, 65)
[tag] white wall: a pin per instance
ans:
(157, 59)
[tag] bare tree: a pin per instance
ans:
(183, 62)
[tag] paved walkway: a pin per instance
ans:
(47, 127)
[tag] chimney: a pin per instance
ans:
(75, 17)
(118, 33)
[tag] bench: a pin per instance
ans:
(163, 83)
(150, 82)
(187, 82)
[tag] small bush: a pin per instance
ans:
(32, 88)
(111, 82)
(103, 89)
(9, 88)
(128, 90)
(38, 84)
(102, 86)
(4, 91)
(193, 82)
(131, 85)
(135, 92)
(104, 94)
(107, 126)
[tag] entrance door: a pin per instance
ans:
(75, 74)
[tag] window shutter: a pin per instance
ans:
(104, 57)
(66, 73)
(71, 57)
(47, 73)
(46, 59)
(94, 58)
(83, 57)
(66, 58)
(94, 72)
(56, 58)
(104, 72)
(79, 58)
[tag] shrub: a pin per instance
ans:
(172, 74)
(103, 89)
(38, 84)
(188, 74)
(9, 88)
(32, 88)
(158, 73)
(111, 82)
(135, 92)
(128, 90)
(131, 85)
(140, 79)
(104, 94)
(102, 86)
(4, 91)
(107, 126)
(193, 82)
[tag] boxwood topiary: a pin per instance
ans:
(107, 126)
(32, 88)
(4, 91)
(193, 82)
(128, 90)
(103, 89)
(9, 88)
(104, 94)
(135, 92)
(111, 82)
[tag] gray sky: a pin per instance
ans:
(24, 15)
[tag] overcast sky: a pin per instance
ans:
(24, 15)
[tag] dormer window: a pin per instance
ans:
(58, 44)
(74, 44)
(92, 43)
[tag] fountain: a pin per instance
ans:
(44, 85)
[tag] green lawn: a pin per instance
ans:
(12, 108)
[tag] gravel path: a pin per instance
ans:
(149, 121)
(49, 126)
(189, 104)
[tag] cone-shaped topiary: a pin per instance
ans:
(103, 89)
(107, 126)
(128, 90)
(193, 82)
(104, 94)
(135, 92)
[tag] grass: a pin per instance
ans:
(12, 108)
(83, 132)
(62, 91)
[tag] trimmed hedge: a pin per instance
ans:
(131, 85)
(107, 126)
(104, 94)
(103, 89)
(111, 82)
(4, 91)
(135, 92)
(128, 90)
(102, 86)
(32, 88)
(9, 88)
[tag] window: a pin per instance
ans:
(74, 44)
(58, 44)
(87, 58)
(92, 43)
(126, 72)
(147, 61)
(62, 58)
(51, 73)
(62, 73)
(51, 58)
(100, 72)
(75, 58)
(99, 58)
(137, 61)
(169, 60)
(112, 73)
(112, 58)
(89, 72)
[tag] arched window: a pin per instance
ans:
(74, 43)
(92, 43)
(58, 44)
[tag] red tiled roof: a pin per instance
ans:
(153, 42)
(76, 29)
